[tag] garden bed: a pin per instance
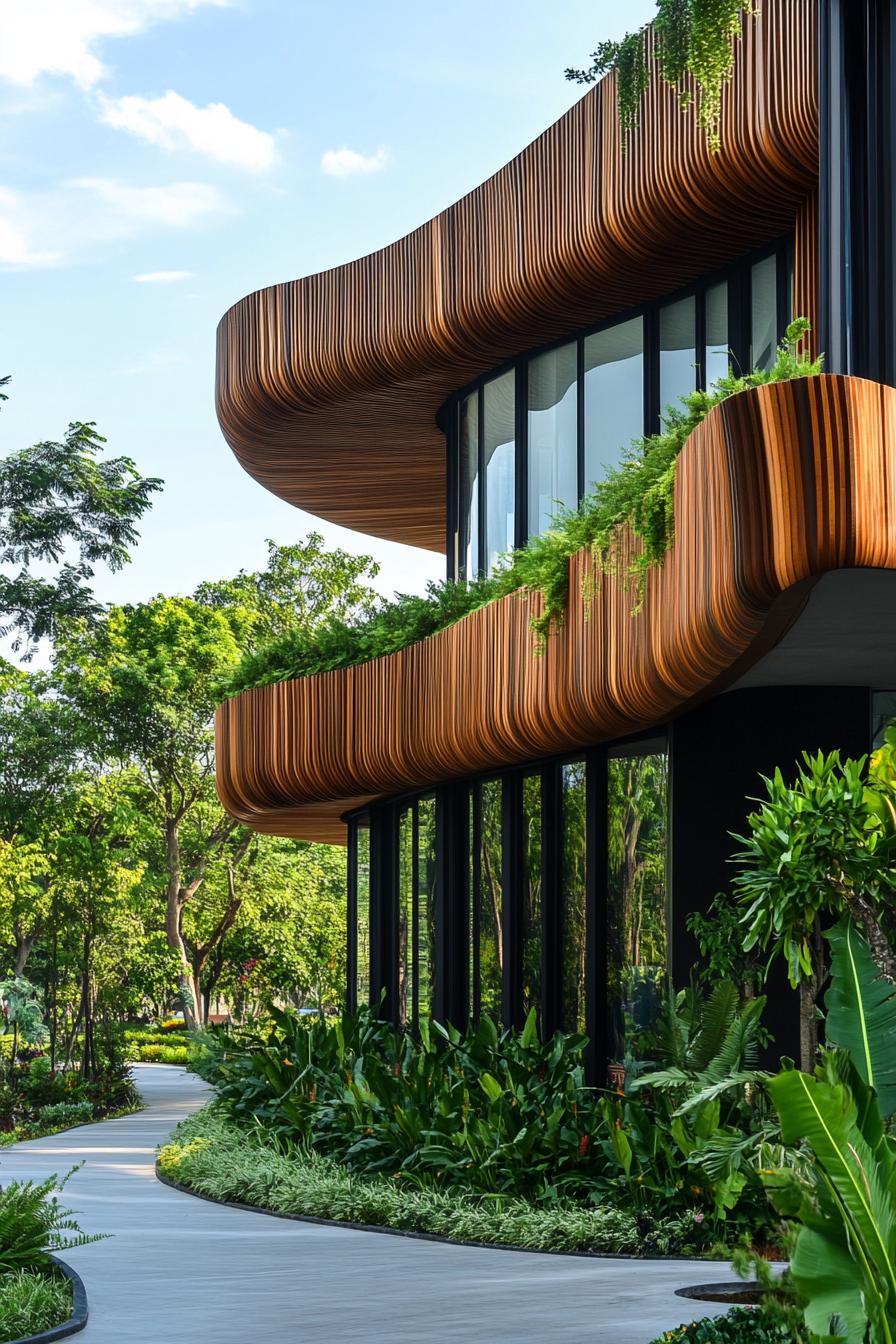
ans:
(36, 1307)
(213, 1158)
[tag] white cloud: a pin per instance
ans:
(178, 205)
(348, 162)
(60, 36)
(161, 277)
(173, 122)
(16, 249)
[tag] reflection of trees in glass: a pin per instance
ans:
(405, 916)
(491, 901)
(362, 925)
(426, 895)
(574, 934)
(532, 894)
(637, 788)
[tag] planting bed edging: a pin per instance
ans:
(420, 1236)
(78, 1318)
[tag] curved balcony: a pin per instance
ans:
(328, 387)
(778, 487)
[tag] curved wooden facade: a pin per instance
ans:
(778, 486)
(328, 387)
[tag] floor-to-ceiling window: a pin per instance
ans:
(416, 899)
(359, 912)
(553, 423)
(499, 458)
(614, 395)
(531, 897)
(637, 914)
(573, 913)
(552, 435)
(488, 891)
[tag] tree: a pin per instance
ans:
(302, 586)
(62, 507)
(38, 757)
(816, 850)
(144, 682)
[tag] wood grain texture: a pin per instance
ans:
(778, 486)
(328, 387)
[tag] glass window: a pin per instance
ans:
(532, 896)
(572, 895)
(553, 477)
(716, 357)
(678, 354)
(491, 900)
(614, 395)
(425, 930)
(499, 464)
(469, 485)
(637, 926)
(405, 917)
(763, 313)
(362, 913)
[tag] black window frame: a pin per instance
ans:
(738, 277)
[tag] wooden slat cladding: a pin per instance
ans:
(328, 386)
(778, 486)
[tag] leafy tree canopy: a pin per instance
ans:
(66, 510)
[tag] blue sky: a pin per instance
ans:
(160, 158)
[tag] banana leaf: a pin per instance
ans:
(844, 1263)
(861, 1012)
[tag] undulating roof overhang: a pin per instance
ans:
(778, 487)
(328, 387)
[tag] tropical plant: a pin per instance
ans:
(31, 1303)
(816, 849)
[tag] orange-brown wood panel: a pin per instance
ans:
(328, 387)
(778, 486)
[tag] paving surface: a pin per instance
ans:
(178, 1270)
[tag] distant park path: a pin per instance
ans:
(179, 1270)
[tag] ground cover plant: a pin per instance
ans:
(638, 495)
(31, 1303)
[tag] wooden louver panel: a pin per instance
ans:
(778, 486)
(328, 387)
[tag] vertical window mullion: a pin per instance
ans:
(596, 913)
(700, 336)
(476, 900)
(351, 920)
(651, 371)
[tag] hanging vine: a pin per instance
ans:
(693, 38)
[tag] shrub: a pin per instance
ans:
(31, 1303)
(741, 1325)
(162, 1054)
(213, 1156)
(33, 1224)
(65, 1114)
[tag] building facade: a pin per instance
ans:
(530, 830)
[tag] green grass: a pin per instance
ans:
(31, 1302)
(214, 1157)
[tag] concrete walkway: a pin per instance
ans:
(178, 1270)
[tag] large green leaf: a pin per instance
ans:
(829, 1279)
(854, 1189)
(861, 1012)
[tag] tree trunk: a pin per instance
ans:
(174, 908)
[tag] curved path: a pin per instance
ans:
(179, 1270)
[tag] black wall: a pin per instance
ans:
(717, 754)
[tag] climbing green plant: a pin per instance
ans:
(693, 38)
(637, 497)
